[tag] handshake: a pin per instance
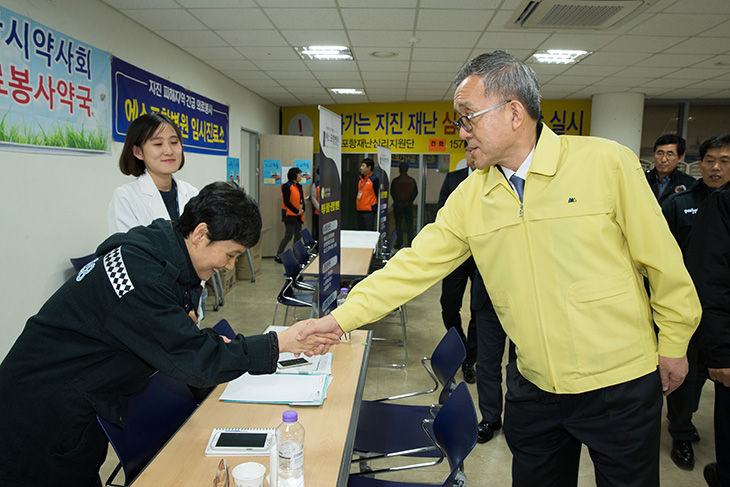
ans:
(310, 337)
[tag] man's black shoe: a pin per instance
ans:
(710, 473)
(487, 429)
(277, 260)
(470, 375)
(695, 435)
(682, 454)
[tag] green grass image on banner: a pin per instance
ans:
(61, 135)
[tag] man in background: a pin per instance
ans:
(665, 179)
(403, 189)
(680, 210)
(708, 260)
(454, 285)
(367, 196)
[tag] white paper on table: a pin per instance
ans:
(277, 388)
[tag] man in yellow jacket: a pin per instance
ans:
(562, 253)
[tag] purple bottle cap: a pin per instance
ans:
(343, 290)
(290, 416)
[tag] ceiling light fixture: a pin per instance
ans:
(382, 54)
(558, 56)
(347, 91)
(325, 53)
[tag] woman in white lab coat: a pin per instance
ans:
(153, 153)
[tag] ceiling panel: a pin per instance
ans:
(676, 48)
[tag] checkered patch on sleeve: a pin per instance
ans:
(117, 272)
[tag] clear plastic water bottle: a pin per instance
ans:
(342, 297)
(290, 446)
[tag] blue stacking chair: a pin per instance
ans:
(453, 434)
(300, 251)
(309, 242)
(155, 414)
(294, 293)
(387, 428)
(80, 262)
(224, 328)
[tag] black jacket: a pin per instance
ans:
(680, 210)
(451, 181)
(708, 261)
(678, 182)
(96, 341)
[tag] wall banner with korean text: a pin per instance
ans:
(384, 155)
(202, 121)
(54, 90)
(330, 219)
(419, 127)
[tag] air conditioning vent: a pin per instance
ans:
(575, 14)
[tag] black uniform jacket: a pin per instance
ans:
(680, 210)
(96, 341)
(708, 261)
(678, 182)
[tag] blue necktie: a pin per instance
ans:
(519, 185)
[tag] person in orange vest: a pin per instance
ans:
(367, 196)
(292, 209)
(314, 199)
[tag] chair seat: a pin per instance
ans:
(359, 481)
(402, 424)
(292, 298)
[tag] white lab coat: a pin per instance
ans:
(139, 202)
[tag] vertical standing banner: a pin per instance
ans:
(330, 177)
(384, 164)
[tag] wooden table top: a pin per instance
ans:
(329, 429)
(354, 262)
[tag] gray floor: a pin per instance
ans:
(249, 308)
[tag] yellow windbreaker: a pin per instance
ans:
(563, 270)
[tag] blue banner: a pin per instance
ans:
(202, 121)
(54, 90)
(330, 170)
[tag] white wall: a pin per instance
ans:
(54, 207)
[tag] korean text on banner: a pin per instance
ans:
(202, 121)
(54, 90)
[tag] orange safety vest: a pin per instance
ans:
(295, 198)
(366, 196)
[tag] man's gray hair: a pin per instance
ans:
(505, 75)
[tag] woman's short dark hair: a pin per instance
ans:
(293, 173)
(142, 129)
(229, 213)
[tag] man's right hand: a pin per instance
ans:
(327, 326)
(719, 375)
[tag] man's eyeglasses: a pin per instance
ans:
(464, 122)
(660, 154)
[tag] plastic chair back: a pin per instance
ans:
(155, 414)
(456, 428)
(80, 262)
(291, 265)
(307, 237)
(301, 252)
(224, 328)
(446, 360)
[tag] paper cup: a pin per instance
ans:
(249, 474)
